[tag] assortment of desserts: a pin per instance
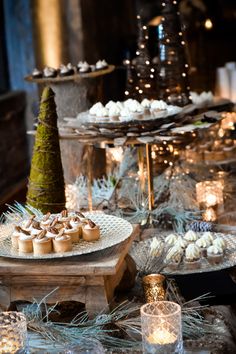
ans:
(53, 233)
(191, 248)
(129, 110)
(219, 150)
(66, 70)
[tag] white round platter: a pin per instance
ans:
(229, 259)
(114, 230)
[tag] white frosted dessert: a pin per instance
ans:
(171, 239)
(219, 242)
(190, 236)
(49, 72)
(214, 254)
(203, 243)
(95, 107)
(84, 68)
(181, 242)
(208, 235)
(174, 256)
(192, 256)
(157, 106)
(156, 247)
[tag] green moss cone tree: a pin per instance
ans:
(46, 188)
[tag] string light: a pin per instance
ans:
(180, 33)
(144, 27)
(140, 91)
(186, 65)
(151, 76)
(163, 4)
(152, 70)
(183, 42)
(208, 24)
(183, 74)
(147, 62)
(126, 93)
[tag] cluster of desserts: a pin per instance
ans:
(219, 150)
(129, 109)
(66, 70)
(53, 233)
(190, 249)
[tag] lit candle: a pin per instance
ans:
(161, 328)
(161, 337)
(209, 215)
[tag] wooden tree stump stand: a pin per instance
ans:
(89, 279)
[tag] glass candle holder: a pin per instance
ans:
(161, 328)
(209, 193)
(13, 333)
(85, 346)
(154, 287)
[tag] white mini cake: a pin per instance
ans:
(214, 254)
(171, 239)
(192, 256)
(190, 236)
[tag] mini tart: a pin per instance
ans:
(90, 231)
(25, 242)
(42, 244)
(15, 237)
(62, 243)
(63, 216)
(52, 232)
(76, 223)
(46, 220)
(73, 232)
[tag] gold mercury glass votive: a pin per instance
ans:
(154, 287)
(13, 333)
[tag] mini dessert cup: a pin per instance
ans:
(15, 237)
(25, 244)
(192, 264)
(90, 231)
(74, 234)
(214, 255)
(62, 243)
(42, 244)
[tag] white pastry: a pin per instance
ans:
(171, 239)
(192, 252)
(219, 242)
(190, 236)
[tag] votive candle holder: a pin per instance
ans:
(13, 333)
(161, 328)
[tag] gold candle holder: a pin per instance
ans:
(154, 287)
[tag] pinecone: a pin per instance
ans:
(200, 226)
